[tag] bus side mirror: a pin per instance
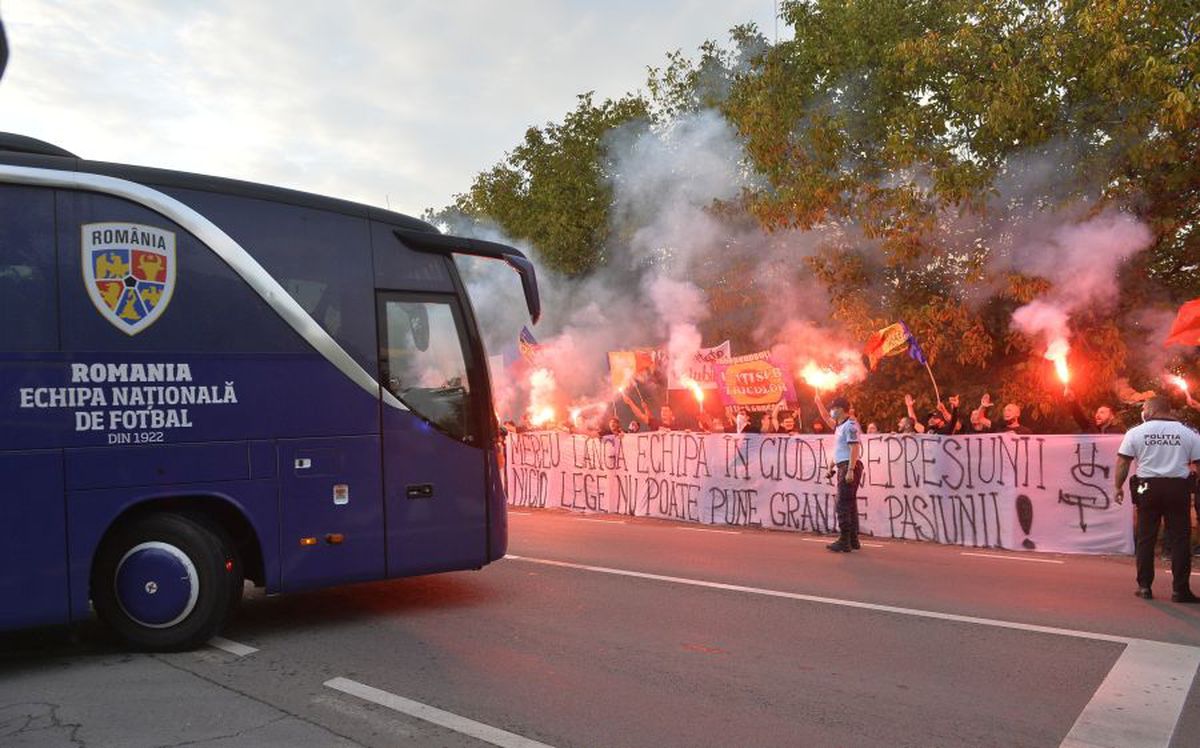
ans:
(3, 49)
(418, 325)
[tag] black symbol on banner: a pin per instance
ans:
(1098, 503)
(1089, 475)
(1088, 472)
(1025, 517)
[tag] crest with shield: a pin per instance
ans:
(129, 272)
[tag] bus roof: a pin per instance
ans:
(22, 150)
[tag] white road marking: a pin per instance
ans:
(449, 720)
(1013, 558)
(831, 600)
(232, 647)
(1139, 703)
(519, 514)
(701, 529)
(602, 521)
(1137, 706)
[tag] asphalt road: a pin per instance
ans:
(603, 632)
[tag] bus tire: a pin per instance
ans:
(233, 559)
(165, 582)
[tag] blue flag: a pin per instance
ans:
(528, 344)
(914, 348)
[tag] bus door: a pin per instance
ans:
(330, 511)
(433, 454)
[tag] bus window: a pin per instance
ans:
(423, 364)
(319, 299)
(27, 271)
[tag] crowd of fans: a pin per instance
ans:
(946, 419)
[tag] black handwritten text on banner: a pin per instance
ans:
(1050, 493)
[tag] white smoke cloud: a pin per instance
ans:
(1152, 325)
(1044, 319)
(665, 183)
(1081, 260)
(674, 252)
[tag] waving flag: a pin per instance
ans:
(528, 344)
(914, 348)
(1186, 329)
(892, 341)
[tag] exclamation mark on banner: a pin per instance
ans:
(1025, 517)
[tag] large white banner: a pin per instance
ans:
(1045, 493)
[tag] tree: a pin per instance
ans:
(910, 122)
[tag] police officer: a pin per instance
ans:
(1163, 448)
(847, 451)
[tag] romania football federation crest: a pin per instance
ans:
(129, 271)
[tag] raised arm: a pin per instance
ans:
(638, 413)
(952, 418)
(1076, 410)
(824, 414)
(912, 414)
(985, 403)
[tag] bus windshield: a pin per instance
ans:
(424, 364)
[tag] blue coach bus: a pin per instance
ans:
(204, 381)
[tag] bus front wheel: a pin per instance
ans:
(165, 581)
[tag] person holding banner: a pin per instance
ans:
(666, 420)
(742, 423)
(940, 421)
(847, 452)
(978, 422)
(613, 428)
(787, 423)
(1012, 421)
(1166, 452)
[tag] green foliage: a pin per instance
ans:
(684, 86)
(900, 117)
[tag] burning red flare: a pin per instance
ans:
(1057, 352)
(1179, 382)
(820, 378)
(542, 391)
(697, 390)
(542, 416)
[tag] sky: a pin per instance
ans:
(397, 104)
